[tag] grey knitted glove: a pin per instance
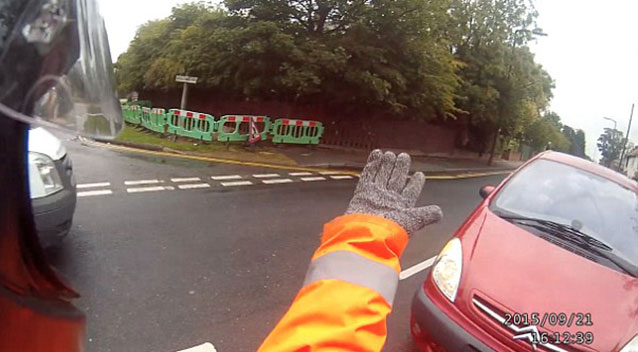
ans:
(382, 191)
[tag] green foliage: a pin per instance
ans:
(610, 144)
(545, 133)
(576, 140)
(460, 59)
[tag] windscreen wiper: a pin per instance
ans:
(567, 232)
(577, 237)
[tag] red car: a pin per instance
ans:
(547, 262)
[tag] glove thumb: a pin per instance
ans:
(428, 215)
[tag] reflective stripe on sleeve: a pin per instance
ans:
(356, 269)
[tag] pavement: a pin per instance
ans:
(347, 159)
(180, 264)
(442, 163)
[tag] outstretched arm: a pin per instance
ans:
(353, 275)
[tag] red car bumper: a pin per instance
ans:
(434, 331)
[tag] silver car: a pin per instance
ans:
(52, 185)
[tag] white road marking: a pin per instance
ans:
(265, 175)
(93, 185)
(300, 173)
(149, 189)
(141, 182)
(310, 179)
(226, 177)
(341, 177)
(416, 268)
(185, 179)
(278, 180)
(330, 172)
(194, 186)
(236, 183)
(95, 193)
(206, 347)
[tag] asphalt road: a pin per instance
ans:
(170, 268)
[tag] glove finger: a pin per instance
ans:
(400, 173)
(372, 167)
(385, 170)
(413, 189)
(428, 215)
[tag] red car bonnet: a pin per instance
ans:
(518, 272)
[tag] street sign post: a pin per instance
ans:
(186, 80)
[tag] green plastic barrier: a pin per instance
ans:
(158, 120)
(126, 112)
(133, 114)
(233, 128)
(145, 118)
(296, 131)
(190, 124)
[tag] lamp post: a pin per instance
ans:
(536, 32)
(624, 147)
(612, 120)
(609, 162)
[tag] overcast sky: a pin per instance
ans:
(591, 52)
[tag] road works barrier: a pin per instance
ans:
(132, 114)
(191, 124)
(296, 131)
(230, 128)
(234, 128)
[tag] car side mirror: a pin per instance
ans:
(486, 190)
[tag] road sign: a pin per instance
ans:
(186, 79)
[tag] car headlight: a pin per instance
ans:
(43, 176)
(447, 269)
(632, 346)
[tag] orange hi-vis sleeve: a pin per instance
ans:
(348, 291)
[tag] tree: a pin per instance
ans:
(545, 132)
(358, 57)
(610, 144)
(576, 140)
(503, 89)
(436, 59)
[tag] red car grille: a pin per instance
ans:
(527, 335)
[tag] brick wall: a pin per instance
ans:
(366, 133)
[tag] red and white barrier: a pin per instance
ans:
(246, 118)
(298, 123)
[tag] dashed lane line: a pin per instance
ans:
(325, 173)
(226, 177)
(93, 185)
(413, 270)
(341, 177)
(149, 189)
(194, 186)
(300, 174)
(277, 180)
(312, 179)
(205, 347)
(236, 183)
(265, 175)
(102, 192)
(185, 179)
(141, 182)
(153, 185)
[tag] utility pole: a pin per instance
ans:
(624, 147)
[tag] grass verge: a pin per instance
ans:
(263, 154)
